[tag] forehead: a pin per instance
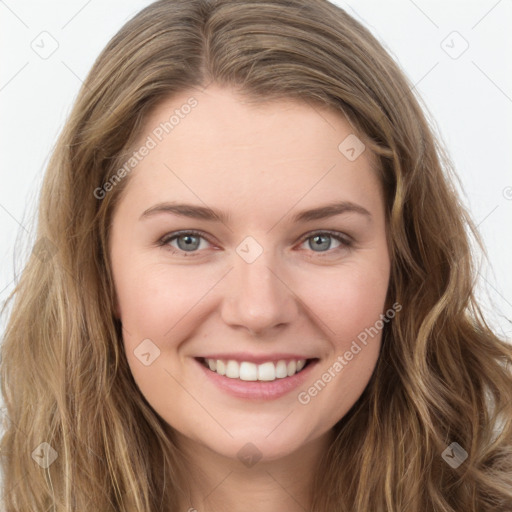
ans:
(216, 145)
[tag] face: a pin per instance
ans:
(255, 276)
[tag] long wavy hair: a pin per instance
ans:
(443, 375)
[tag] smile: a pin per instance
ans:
(256, 377)
(248, 371)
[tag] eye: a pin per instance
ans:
(190, 242)
(322, 240)
(187, 241)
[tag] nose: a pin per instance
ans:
(258, 297)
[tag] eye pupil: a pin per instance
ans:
(190, 240)
(321, 245)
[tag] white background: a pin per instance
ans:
(469, 97)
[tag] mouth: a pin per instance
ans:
(247, 371)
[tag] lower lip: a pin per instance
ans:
(258, 390)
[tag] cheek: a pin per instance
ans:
(347, 301)
(157, 307)
(351, 308)
(154, 297)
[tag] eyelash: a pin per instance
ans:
(345, 241)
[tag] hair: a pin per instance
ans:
(442, 375)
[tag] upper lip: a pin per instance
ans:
(253, 358)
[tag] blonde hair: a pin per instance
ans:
(442, 376)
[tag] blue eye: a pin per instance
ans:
(189, 242)
(322, 240)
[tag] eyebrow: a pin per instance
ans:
(205, 213)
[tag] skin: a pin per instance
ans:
(262, 165)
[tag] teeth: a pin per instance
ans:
(247, 371)
(221, 367)
(281, 370)
(251, 372)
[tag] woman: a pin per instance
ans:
(241, 297)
